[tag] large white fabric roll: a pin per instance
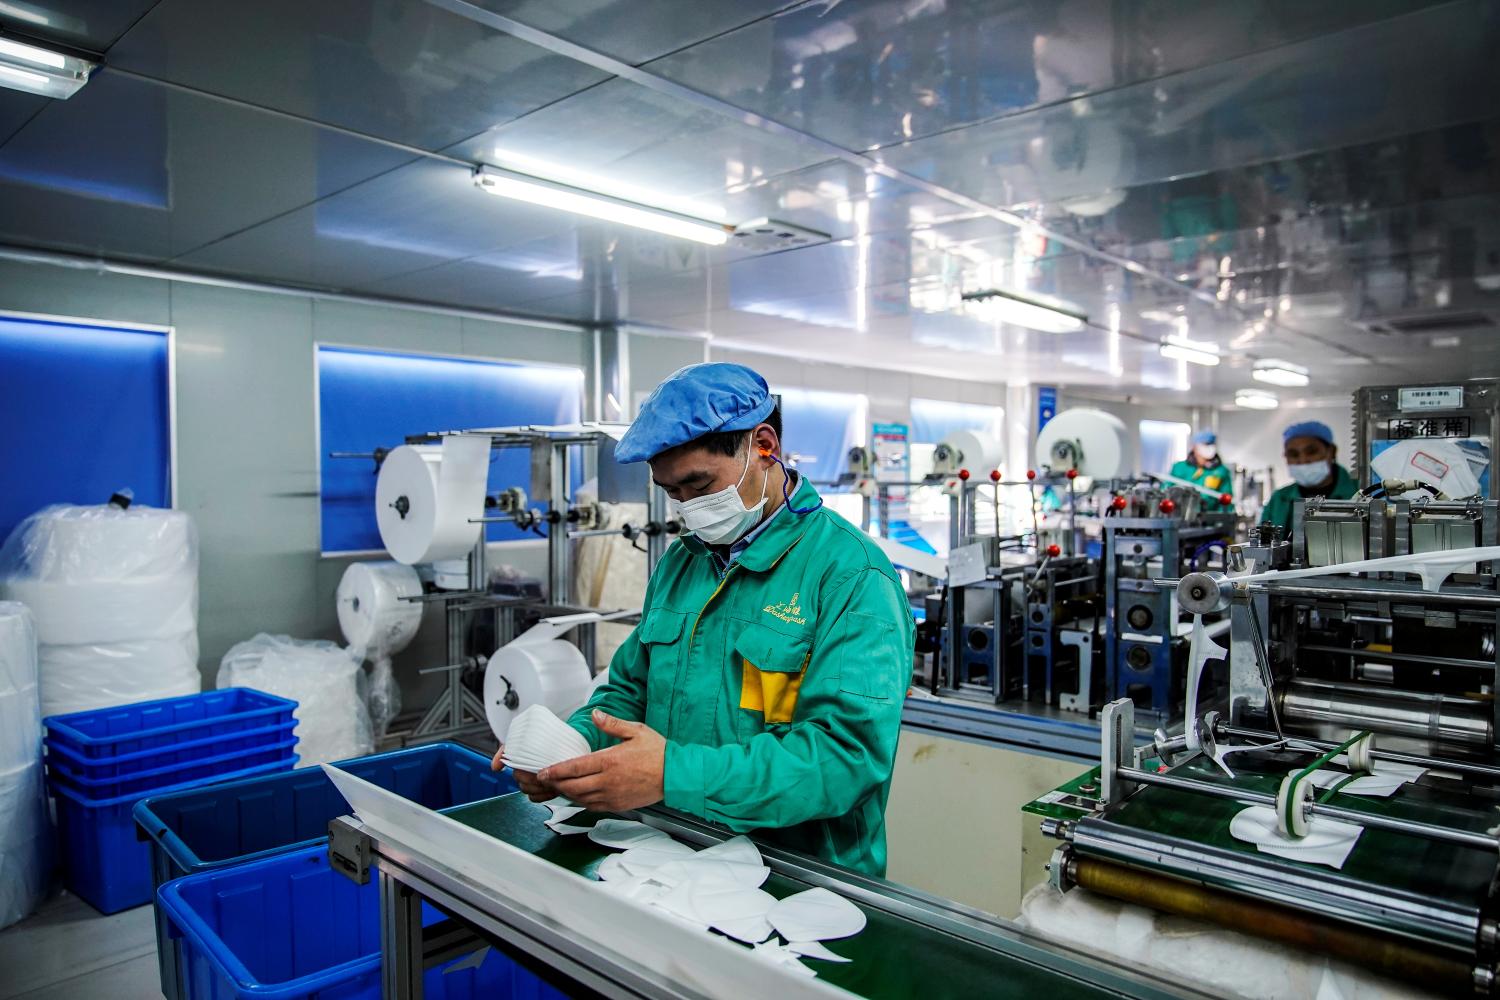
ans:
(425, 497)
(101, 611)
(20, 702)
(81, 678)
(83, 544)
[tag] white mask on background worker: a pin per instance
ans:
(1204, 452)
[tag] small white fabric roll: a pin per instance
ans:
(375, 620)
(551, 673)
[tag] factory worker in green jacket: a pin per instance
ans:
(1310, 458)
(1203, 467)
(763, 688)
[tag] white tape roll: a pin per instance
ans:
(425, 497)
(372, 614)
(1291, 817)
(551, 673)
(1359, 755)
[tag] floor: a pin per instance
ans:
(68, 951)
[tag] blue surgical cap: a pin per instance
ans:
(1308, 429)
(692, 402)
(1205, 437)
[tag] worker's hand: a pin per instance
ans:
(535, 789)
(625, 776)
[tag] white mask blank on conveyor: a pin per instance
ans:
(816, 915)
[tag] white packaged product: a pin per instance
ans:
(321, 676)
(114, 592)
(378, 623)
(23, 817)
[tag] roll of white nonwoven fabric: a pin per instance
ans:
(104, 611)
(425, 497)
(83, 544)
(376, 622)
(979, 453)
(83, 677)
(20, 701)
(551, 673)
(24, 842)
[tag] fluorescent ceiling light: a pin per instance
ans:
(536, 191)
(1256, 399)
(1035, 312)
(1280, 373)
(1193, 351)
(41, 71)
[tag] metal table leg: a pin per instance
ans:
(400, 940)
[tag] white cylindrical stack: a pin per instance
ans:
(378, 623)
(114, 594)
(23, 816)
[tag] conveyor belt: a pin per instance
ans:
(1427, 890)
(894, 957)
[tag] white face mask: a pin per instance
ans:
(1204, 451)
(1310, 473)
(720, 518)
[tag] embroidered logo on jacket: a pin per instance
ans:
(788, 611)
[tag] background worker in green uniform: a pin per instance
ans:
(762, 689)
(1204, 467)
(1310, 452)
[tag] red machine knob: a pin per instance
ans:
(1030, 473)
(994, 475)
(1054, 550)
(1226, 499)
(1072, 473)
(963, 474)
(1168, 505)
(1118, 503)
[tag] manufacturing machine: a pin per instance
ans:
(1361, 648)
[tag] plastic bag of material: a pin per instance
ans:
(98, 675)
(66, 544)
(23, 822)
(322, 677)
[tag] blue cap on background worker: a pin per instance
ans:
(1205, 469)
(1310, 454)
(763, 688)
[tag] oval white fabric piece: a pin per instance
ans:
(816, 915)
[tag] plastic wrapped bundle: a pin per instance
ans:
(321, 676)
(23, 817)
(114, 592)
(379, 623)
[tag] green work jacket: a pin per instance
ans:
(1278, 509)
(778, 686)
(1217, 477)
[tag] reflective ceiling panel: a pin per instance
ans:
(127, 168)
(1340, 90)
(633, 30)
(16, 109)
(93, 25)
(621, 138)
(867, 73)
(404, 71)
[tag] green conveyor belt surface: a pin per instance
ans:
(893, 957)
(1381, 857)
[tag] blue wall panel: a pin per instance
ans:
(85, 411)
(369, 400)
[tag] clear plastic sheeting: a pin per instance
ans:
(114, 593)
(23, 817)
(321, 677)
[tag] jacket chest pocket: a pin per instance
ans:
(772, 667)
(661, 634)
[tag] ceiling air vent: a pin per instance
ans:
(771, 235)
(1438, 322)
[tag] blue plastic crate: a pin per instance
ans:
(230, 823)
(105, 862)
(290, 927)
(148, 781)
(117, 765)
(109, 732)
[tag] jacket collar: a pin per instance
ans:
(781, 533)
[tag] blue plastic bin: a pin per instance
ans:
(106, 864)
(136, 761)
(230, 823)
(123, 729)
(148, 781)
(289, 926)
